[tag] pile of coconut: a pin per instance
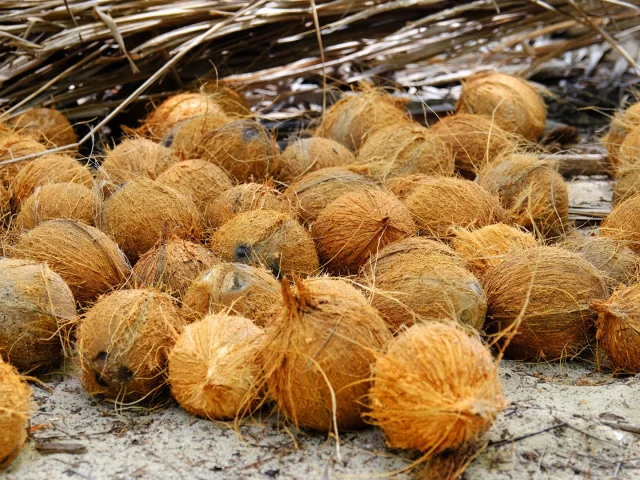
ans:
(374, 272)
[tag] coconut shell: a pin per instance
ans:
(16, 146)
(304, 155)
(232, 101)
(541, 296)
(357, 225)
(89, 261)
(35, 303)
(47, 126)
(440, 204)
(268, 238)
(184, 137)
(434, 389)
(623, 223)
(318, 354)
(419, 280)
(621, 124)
(15, 410)
(214, 369)
(124, 341)
(143, 212)
(234, 288)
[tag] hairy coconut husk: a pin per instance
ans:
(312, 192)
(124, 341)
(435, 388)
(171, 266)
(405, 149)
(232, 101)
(59, 200)
(269, 238)
(36, 304)
(234, 288)
(13, 146)
(619, 328)
(184, 137)
(542, 295)
(318, 354)
(475, 140)
(623, 223)
(214, 369)
(621, 124)
(533, 193)
(47, 126)
(244, 198)
(143, 212)
(511, 102)
(440, 204)
(89, 261)
(419, 280)
(629, 155)
(402, 186)
(627, 185)
(353, 118)
(49, 169)
(5, 205)
(201, 181)
(357, 225)
(15, 410)
(486, 247)
(304, 155)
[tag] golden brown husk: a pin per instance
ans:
(629, 154)
(15, 410)
(357, 225)
(124, 341)
(5, 207)
(543, 294)
(47, 126)
(401, 187)
(627, 185)
(183, 138)
(89, 261)
(621, 124)
(35, 303)
(214, 369)
(623, 223)
(318, 354)
(435, 388)
(232, 101)
(304, 155)
(13, 146)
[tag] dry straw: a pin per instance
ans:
(15, 410)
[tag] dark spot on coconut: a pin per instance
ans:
(250, 133)
(242, 253)
(238, 283)
(125, 374)
(275, 269)
(465, 316)
(168, 140)
(100, 381)
(101, 357)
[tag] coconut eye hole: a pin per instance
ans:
(100, 381)
(242, 253)
(125, 374)
(168, 140)
(238, 283)
(101, 356)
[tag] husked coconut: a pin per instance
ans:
(304, 155)
(183, 138)
(14, 146)
(621, 124)
(47, 126)
(623, 224)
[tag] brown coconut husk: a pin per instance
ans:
(539, 299)
(15, 410)
(357, 225)
(623, 223)
(13, 146)
(419, 280)
(486, 247)
(36, 304)
(629, 154)
(402, 186)
(533, 193)
(47, 126)
(474, 140)
(619, 328)
(510, 101)
(234, 288)
(304, 155)
(124, 341)
(318, 354)
(59, 200)
(143, 212)
(184, 137)
(244, 198)
(214, 369)
(89, 261)
(435, 388)
(171, 266)
(265, 237)
(627, 185)
(5, 206)
(440, 204)
(232, 101)
(621, 124)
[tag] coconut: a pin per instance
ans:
(124, 341)
(184, 137)
(172, 266)
(199, 180)
(15, 410)
(58, 200)
(539, 299)
(14, 146)
(533, 192)
(627, 185)
(49, 169)
(621, 124)
(47, 126)
(312, 192)
(623, 223)
(244, 198)
(35, 303)
(475, 141)
(486, 247)
(629, 154)
(434, 389)
(511, 102)
(214, 369)
(402, 186)
(353, 118)
(419, 280)
(357, 225)
(304, 155)
(232, 101)
(269, 238)
(619, 328)
(143, 211)
(318, 354)
(405, 149)
(5, 205)
(89, 261)
(440, 204)
(235, 288)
